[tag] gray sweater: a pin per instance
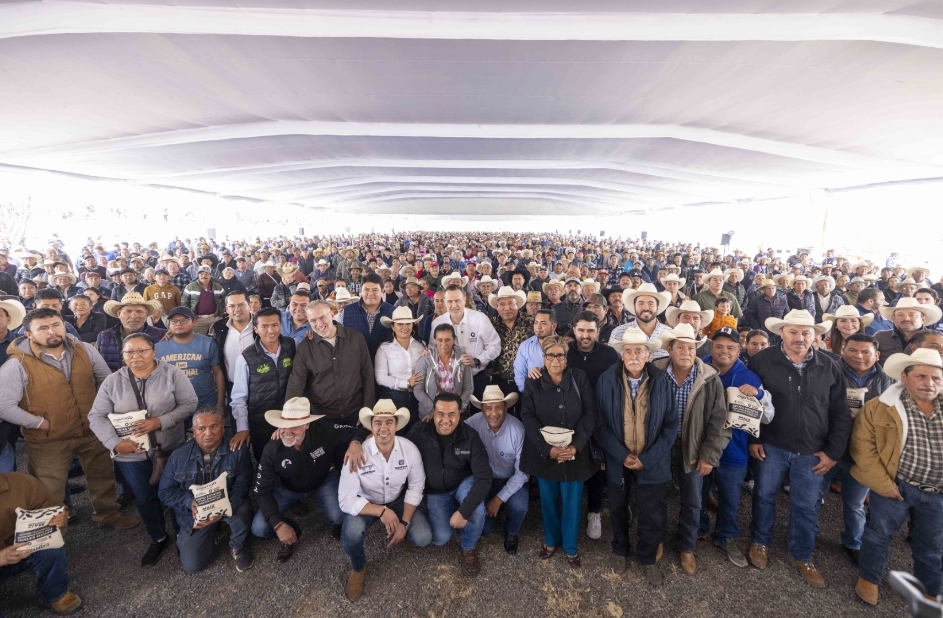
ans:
(168, 394)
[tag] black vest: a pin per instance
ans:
(268, 381)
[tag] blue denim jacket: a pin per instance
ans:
(185, 468)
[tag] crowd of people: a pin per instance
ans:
(437, 383)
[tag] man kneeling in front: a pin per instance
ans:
(388, 487)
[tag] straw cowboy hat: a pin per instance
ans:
(343, 295)
(681, 332)
(761, 283)
(592, 283)
(796, 317)
(633, 336)
(384, 407)
(535, 297)
(907, 281)
(828, 278)
(547, 285)
(16, 311)
(411, 281)
(494, 394)
(673, 277)
(295, 412)
(287, 269)
(931, 313)
(112, 307)
(673, 313)
(401, 315)
(799, 278)
(646, 289)
(169, 258)
(733, 271)
(847, 311)
(453, 277)
(896, 363)
(72, 278)
(507, 291)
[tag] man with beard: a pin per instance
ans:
(572, 304)
(616, 314)
(645, 304)
(47, 387)
(297, 465)
(197, 356)
(909, 317)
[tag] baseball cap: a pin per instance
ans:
(204, 269)
(159, 271)
(727, 332)
(184, 311)
(635, 273)
(127, 270)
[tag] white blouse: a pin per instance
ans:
(394, 365)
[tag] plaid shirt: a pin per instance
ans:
(682, 391)
(801, 366)
(181, 279)
(371, 318)
(634, 385)
(921, 458)
(444, 373)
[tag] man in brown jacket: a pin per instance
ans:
(22, 491)
(897, 445)
(47, 387)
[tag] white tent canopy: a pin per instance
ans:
(484, 108)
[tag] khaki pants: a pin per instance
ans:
(203, 324)
(49, 462)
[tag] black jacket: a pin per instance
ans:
(544, 404)
(300, 471)
(464, 456)
(811, 411)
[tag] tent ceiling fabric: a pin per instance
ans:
(486, 108)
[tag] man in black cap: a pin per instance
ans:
(129, 283)
(616, 315)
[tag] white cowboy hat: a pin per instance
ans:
(16, 311)
(453, 277)
(23, 254)
(486, 279)
(761, 283)
(673, 277)
(796, 317)
(847, 311)
(733, 271)
(646, 289)
(923, 269)
(590, 282)
(342, 295)
(681, 332)
(827, 278)
(72, 278)
(384, 407)
(798, 278)
(295, 412)
(401, 315)
(561, 437)
(896, 363)
(112, 307)
(931, 313)
(507, 291)
(715, 273)
(493, 394)
(323, 262)
(673, 313)
(633, 336)
(170, 258)
(907, 281)
(552, 282)
(865, 264)
(287, 269)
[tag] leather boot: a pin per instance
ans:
(355, 584)
(867, 591)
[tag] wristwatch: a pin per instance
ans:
(405, 523)
(477, 363)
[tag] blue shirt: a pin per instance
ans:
(504, 451)
(735, 454)
(529, 355)
(4, 344)
(196, 359)
(289, 330)
(682, 392)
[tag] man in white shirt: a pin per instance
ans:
(503, 437)
(475, 334)
(388, 487)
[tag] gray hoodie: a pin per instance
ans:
(168, 394)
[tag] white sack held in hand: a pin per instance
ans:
(212, 499)
(122, 424)
(32, 528)
(743, 412)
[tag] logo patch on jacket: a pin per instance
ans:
(263, 369)
(459, 451)
(317, 453)
(286, 362)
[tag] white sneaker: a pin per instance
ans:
(594, 527)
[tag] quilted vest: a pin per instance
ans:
(268, 380)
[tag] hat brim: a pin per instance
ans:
(519, 295)
(672, 313)
(274, 418)
(112, 307)
(896, 363)
(668, 336)
(510, 399)
(366, 417)
(865, 319)
(629, 296)
(334, 301)
(385, 321)
(16, 311)
(931, 313)
(776, 325)
(547, 285)
(617, 345)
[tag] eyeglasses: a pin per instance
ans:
(555, 357)
(180, 321)
(133, 353)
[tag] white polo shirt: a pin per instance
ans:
(381, 481)
(475, 335)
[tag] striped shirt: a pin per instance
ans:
(682, 392)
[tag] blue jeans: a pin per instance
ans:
(355, 530)
(728, 481)
(887, 517)
(51, 570)
(690, 514)
(561, 526)
(804, 501)
(324, 496)
(137, 474)
(441, 507)
(196, 546)
(853, 495)
(515, 508)
(7, 458)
